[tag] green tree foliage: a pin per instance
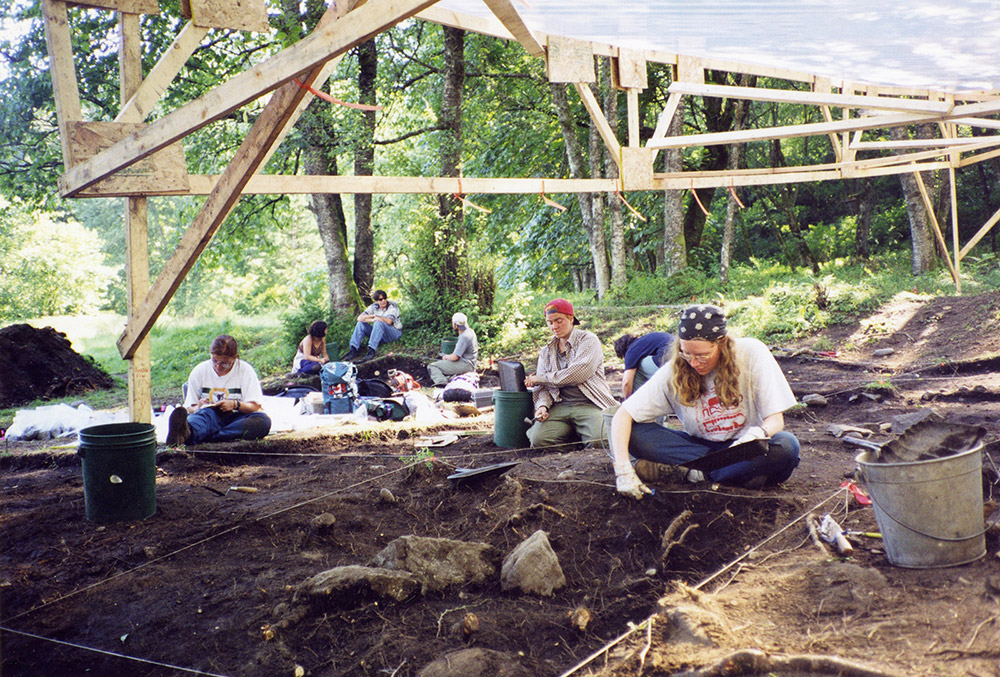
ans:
(48, 266)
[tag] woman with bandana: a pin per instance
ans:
(725, 391)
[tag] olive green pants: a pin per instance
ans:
(580, 421)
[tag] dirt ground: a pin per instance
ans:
(696, 579)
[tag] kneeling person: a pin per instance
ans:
(570, 390)
(223, 401)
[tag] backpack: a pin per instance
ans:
(460, 388)
(401, 382)
(340, 387)
(386, 409)
(373, 387)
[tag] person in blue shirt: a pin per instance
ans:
(643, 356)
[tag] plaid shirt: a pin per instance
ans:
(585, 369)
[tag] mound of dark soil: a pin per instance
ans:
(41, 364)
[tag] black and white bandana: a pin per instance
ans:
(707, 323)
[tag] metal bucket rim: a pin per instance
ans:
(926, 461)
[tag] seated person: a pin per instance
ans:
(311, 355)
(570, 390)
(463, 359)
(380, 322)
(642, 356)
(223, 400)
(725, 391)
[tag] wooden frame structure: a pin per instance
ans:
(135, 159)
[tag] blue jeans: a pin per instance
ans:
(664, 445)
(309, 368)
(378, 332)
(209, 425)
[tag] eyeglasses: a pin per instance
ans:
(222, 364)
(702, 358)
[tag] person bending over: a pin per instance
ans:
(311, 355)
(380, 322)
(642, 356)
(223, 400)
(569, 388)
(725, 391)
(462, 359)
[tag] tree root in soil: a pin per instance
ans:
(668, 541)
(755, 662)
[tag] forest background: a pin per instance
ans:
(785, 259)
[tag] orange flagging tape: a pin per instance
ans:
(698, 200)
(470, 203)
(630, 207)
(735, 196)
(327, 97)
(551, 203)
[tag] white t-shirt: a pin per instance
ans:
(764, 388)
(241, 383)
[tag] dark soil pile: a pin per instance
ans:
(41, 364)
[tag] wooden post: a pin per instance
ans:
(140, 396)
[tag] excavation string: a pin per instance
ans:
(111, 653)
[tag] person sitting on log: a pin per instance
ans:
(462, 359)
(311, 355)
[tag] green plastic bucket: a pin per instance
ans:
(448, 344)
(119, 471)
(930, 512)
(509, 411)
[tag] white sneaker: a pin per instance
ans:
(694, 476)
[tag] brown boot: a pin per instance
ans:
(178, 432)
(650, 471)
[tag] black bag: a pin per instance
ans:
(373, 387)
(511, 376)
(386, 409)
(298, 392)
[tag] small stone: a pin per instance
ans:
(323, 521)
(386, 496)
(883, 352)
(580, 618)
(815, 400)
(566, 475)
(650, 572)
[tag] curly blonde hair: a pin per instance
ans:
(687, 385)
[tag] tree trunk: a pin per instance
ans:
(862, 236)
(674, 249)
(588, 202)
(364, 164)
(787, 194)
(922, 241)
(619, 264)
(450, 121)
(329, 211)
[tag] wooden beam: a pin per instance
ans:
(597, 115)
(141, 103)
(978, 122)
(272, 184)
(140, 402)
(947, 145)
(817, 128)
(929, 208)
(632, 101)
(320, 46)
(62, 70)
(980, 234)
(812, 98)
(508, 16)
(663, 122)
(977, 158)
(124, 6)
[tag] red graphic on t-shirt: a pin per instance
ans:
(715, 419)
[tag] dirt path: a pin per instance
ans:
(210, 582)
